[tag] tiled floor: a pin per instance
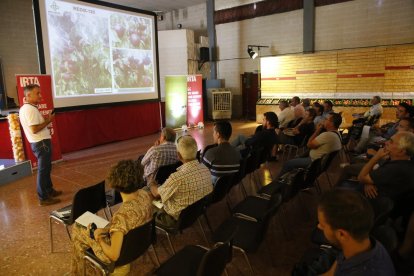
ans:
(25, 245)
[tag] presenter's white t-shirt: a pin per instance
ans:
(30, 116)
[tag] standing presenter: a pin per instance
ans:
(38, 134)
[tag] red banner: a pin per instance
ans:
(45, 107)
(194, 100)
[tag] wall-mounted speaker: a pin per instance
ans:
(204, 54)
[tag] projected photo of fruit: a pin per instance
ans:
(130, 32)
(80, 54)
(132, 68)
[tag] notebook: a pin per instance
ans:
(87, 218)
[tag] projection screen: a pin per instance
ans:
(96, 52)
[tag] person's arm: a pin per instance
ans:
(365, 178)
(36, 128)
(147, 157)
(312, 142)
(113, 250)
(154, 189)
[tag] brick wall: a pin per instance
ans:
(359, 23)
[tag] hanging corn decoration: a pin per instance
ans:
(16, 137)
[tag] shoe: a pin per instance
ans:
(55, 193)
(49, 201)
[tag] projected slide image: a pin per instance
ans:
(130, 32)
(80, 54)
(132, 68)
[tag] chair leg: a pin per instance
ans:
(202, 231)
(246, 258)
(51, 235)
(67, 231)
(207, 221)
(156, 255)
(168, 238)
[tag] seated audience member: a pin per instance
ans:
(190, 183)
(297, 107)
(327, 108)
(375, 110)
(346, 219)
(296, 135)
(351, 171)
(135, 210)
(263, 137)
(319, 143)
(394, 177)
(306, 104)
(319, 112)
(164, 152)
(297, 112)
(223, 159)
(286, 115)
(385, 132)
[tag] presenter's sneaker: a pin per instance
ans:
(55, 193)
(49, 201)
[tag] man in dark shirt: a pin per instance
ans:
(264, 136)
(346, 218)
(394, 177)
(223, 159)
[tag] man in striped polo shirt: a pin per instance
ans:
(223, 159)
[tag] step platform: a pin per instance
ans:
(11, 171)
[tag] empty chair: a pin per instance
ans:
(90, 199)
(136, 242)
(164, 172)
(198, 260)
(186, 219)
(250, 231)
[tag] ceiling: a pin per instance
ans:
(157, 5)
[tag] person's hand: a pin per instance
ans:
(295, 131)
(371, 152)
(100, 233)
(381, 153)
(50, 117)
(370, 191)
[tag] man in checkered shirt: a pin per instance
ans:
(190, 183)
(164, 152)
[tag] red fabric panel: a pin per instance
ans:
(82, 129)
(6, 149)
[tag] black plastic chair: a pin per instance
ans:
(187, 218)
(326, 162)
(250, 231)
(164, 172)
(136, 242)
(255, 206)
(252, 164)
(90, 199)
(221, 188)
(198, 260)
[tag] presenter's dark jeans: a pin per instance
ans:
(43, 152)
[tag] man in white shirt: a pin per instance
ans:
(35, 128)
(286, 116)
(375, 109)
(298, 109)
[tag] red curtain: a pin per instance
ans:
(6, 151)
(87, 128)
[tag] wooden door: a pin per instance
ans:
(250, 92)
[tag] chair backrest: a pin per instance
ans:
(275, 203)
(92, 199)
(327, 159)
(206, 149)
(312, 172)
(191, 213)
(136, 243)
(221, 187)
(382, 207)
(165, 171)
(214, 261)
(253, 160)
